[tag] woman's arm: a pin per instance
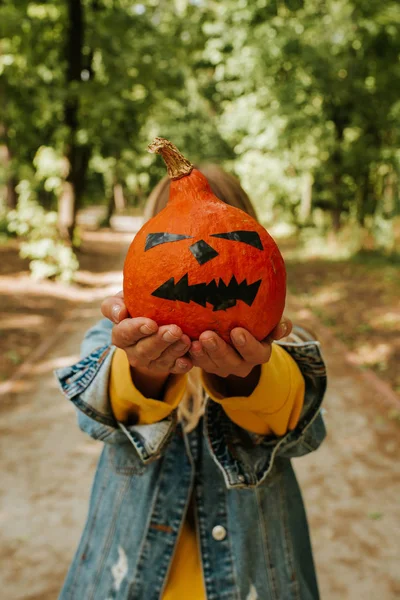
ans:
(132, 405)
(274, 405)
(246, 458)
(86, 385)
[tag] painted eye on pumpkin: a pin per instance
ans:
(202, 249)
(154, 239)
(247, 237)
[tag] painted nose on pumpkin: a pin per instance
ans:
(202, 252)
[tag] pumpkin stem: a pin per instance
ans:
(177, 165)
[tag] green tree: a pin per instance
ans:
(300, 99)
(309, 98)
(30, 84)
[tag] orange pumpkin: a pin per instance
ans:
(203, 264)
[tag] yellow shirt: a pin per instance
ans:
(274, 407)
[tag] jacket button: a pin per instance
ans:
(219, 533)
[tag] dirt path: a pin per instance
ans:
(351, 485)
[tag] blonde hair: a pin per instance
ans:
(228, 189)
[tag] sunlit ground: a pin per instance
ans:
(32, 311)
(357, 298)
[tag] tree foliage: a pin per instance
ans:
(310, 97)
(300, 98)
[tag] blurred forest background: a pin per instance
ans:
(299, 98)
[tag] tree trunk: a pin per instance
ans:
(362, 198)
(8, 192)
(389, 192)
(66, 207)
(78, 156)
(116, 201)
(336, 221)
(337, 191)
(306, 198)
(11, 195)
(119, 197)
(337, 210)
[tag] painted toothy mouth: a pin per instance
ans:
(217, 293)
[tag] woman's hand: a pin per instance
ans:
(239, 366)
(158, 349)
(215, 356)
(153, 352)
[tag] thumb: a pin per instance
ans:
(281, 330)
(114, 308)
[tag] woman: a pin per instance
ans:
(194, 496)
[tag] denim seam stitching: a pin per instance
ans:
(234, 574)
(124, 470)
(91, 412)
(266, 548)
(109, 540)
(89, 535)
(186, 508)
(286, 531)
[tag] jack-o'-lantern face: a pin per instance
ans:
(202, 264)
(205, 272)
(219, 294)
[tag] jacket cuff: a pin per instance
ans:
(246, 459)
(86, 385)
(128, 403)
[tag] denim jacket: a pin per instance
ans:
(251, 525)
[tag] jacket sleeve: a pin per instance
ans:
(246, 459)
(274, 407)
(86, 385)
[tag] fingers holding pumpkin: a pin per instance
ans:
(212, 354)
(114, 308)
(201, 358)
(173, 358)
(281, 330)
(159, 351)
(130, 331)
(250, 349)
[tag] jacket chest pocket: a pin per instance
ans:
(124, 460)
